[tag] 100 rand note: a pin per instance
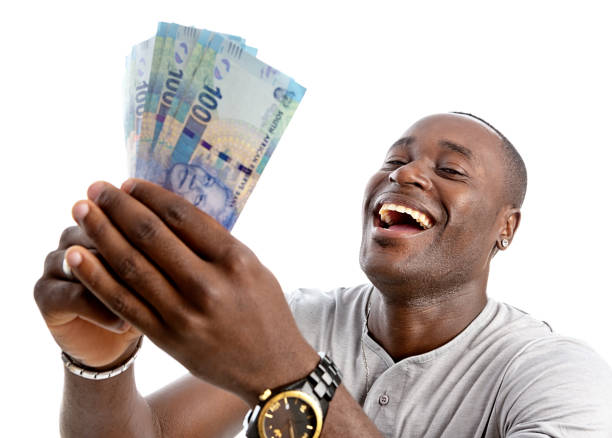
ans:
(175, 65)
(173, 45)
(138, 69)
(215, 145)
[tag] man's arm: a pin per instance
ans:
(202, 296)
(104, 408)
(186, 408)
(192, 408)
(556, 387)
(97, 338)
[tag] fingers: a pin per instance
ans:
(74, 236)
(54, 265)
(148, 233)
(110, 292)
(125, 261)
(60, 302)
(199, 231)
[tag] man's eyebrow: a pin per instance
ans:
(406, 141)
(457, 148)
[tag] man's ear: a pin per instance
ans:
(512, 219)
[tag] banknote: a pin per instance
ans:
(173, 47)
(212, 117)
(138, 69)
(224, 129)
(172, 50)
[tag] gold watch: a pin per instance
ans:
(296, 410)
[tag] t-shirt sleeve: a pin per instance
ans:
(556, 387)
(314, 314)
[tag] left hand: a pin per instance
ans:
(191, 287)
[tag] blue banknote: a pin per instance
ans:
(213, 117)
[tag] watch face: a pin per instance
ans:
(290, 414)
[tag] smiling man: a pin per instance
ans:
(422, 351)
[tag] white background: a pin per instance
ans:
(539, 71)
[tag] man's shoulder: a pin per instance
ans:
(325, 315)
(532, 337)
(549, 381)
(556, 384)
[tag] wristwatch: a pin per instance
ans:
(296, 410)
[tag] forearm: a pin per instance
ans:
(346, 419)
(104, 408)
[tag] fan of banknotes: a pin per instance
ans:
(203, 116)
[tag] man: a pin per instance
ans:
(422, 350)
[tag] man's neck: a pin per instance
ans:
(412, 328)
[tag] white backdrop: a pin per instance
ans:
(539, 71)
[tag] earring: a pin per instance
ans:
(505, 243)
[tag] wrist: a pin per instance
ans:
(120, 365)
(302, 405)
(293, 368)
(129, 351)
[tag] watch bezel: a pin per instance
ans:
(312, 402)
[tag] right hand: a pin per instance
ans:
(82, 326)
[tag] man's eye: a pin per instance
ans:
(450, 171)
(394, 163)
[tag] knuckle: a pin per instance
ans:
(146, 229)
(97, 230)
(238, 258)
(94, 280)
(118, 304)
(197, 282)
(189, 322)
(106, 199)
(73, 292)
(52, 295)
(40, 292)
(177, 213)
(52, 259)
(230, 252)
(67, 236)
(127, 268)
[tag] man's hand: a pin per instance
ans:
(192, 288)
(81, 325)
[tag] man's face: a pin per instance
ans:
(448, 168)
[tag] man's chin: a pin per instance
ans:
(379, 266)
(395, 265)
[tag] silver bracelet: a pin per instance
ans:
(99, 375)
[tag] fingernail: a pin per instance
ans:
(125, 327)
(74, 258)
(94, 190)
(128, 185)
(80, 210)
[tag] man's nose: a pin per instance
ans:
(411, 173)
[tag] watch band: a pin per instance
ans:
(324, 380)
(321, 383)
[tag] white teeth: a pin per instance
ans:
(421, 218)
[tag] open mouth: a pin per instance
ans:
(401, 218)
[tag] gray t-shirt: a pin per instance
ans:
(505, 375)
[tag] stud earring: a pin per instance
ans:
(505, 243)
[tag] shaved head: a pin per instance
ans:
(516, 173)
